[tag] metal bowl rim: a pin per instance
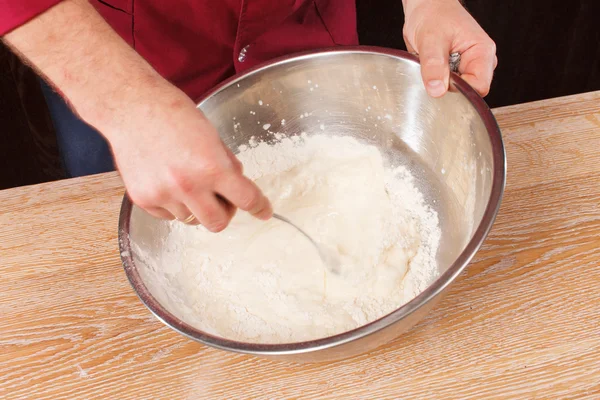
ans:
(435, 289)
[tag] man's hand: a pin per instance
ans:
(174, 163)
(171, 158)
(436, 28)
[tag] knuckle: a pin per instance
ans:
(250, 202)
(490, 46)
(185, 183)
(180, 181)
(210, 170)
(482, 88)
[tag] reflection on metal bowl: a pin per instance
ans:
(452, 146)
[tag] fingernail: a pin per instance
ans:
(267, 212)
(263, 210)
(436, 88)
(217, 226)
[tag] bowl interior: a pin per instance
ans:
(378, 98)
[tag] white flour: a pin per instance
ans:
(263, 282)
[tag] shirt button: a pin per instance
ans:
(242, 56)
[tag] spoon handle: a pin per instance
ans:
(287, 221)
(330, 259)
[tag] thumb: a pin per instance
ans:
(434, 53)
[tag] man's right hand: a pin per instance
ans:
(174, 164)
(171, 158)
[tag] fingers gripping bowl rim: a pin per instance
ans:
(468, 129)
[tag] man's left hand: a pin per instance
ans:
(436, 28)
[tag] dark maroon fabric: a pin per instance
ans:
(14, 13)
(196, 43)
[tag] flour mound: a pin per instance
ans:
(263, 282)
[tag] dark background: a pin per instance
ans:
(546, 48)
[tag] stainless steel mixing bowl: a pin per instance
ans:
(452, 146)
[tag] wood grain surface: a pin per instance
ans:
(523, 321)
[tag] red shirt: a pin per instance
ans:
(198, 43)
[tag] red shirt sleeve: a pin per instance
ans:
(14, 13)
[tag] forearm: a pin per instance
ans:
(79, 54)
(171, 158)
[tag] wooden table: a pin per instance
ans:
(523, 321)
